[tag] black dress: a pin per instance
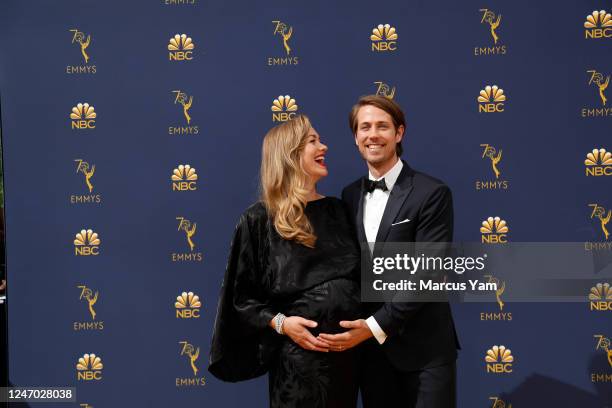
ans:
(266, 275)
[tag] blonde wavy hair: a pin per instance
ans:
(283, 180)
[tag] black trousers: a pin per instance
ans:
(383, 385)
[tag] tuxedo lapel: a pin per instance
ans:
(397, 197)
(359, 221)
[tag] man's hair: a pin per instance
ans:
(384, 103)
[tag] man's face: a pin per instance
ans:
(376, 135)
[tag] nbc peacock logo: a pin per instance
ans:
(598, 163)
(600, 297)
(598, 24)
(499, 360)
(187, 306)
(384, 38)
(83, 116)
(180, 48)
(494, 231)
(283, 108)
(491, 99)
(184, 178)
(86, 243)
(89, 368)
(385, 90)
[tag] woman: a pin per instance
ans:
(292, 273)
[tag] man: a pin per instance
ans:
(410, 348)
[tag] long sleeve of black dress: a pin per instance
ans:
(241, 345)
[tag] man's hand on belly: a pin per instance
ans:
(357, 333)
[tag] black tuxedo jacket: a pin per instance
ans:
(419, 335)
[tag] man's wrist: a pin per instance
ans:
(376, 330)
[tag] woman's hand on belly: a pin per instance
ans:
(297, 329)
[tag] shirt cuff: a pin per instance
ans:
(378, 333)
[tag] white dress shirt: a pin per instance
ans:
(374, 204)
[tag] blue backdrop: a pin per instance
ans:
(444, 55)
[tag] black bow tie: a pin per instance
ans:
(371, 185)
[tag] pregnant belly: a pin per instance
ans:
(328, 303)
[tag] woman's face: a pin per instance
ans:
(313, 156)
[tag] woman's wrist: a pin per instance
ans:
(277, 323)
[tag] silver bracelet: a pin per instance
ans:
(278, 323)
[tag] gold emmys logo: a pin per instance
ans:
(598, 163)
(500, 288)
(83, 116)
(83, 167)
(597, 79)
(181, 98)
(87, 171)
(494, 231)
(499, 360)
(185, 101)
(599, 212)
(600, 297)
(603, 343)
(499, 403)
(192, 353)
(384, 38)
(384, 90)
(88, 295)
(82, 41)
(491, 99)
(492, 154)
(189, 229)
(79, 38)
(598, 24)
(493, 21)
(86, 406)
(283, 108)
(180, 48)
(87, 243)
(187, 306)
(488, 17)
(285, 32)
(89, 367)
(184, 178)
